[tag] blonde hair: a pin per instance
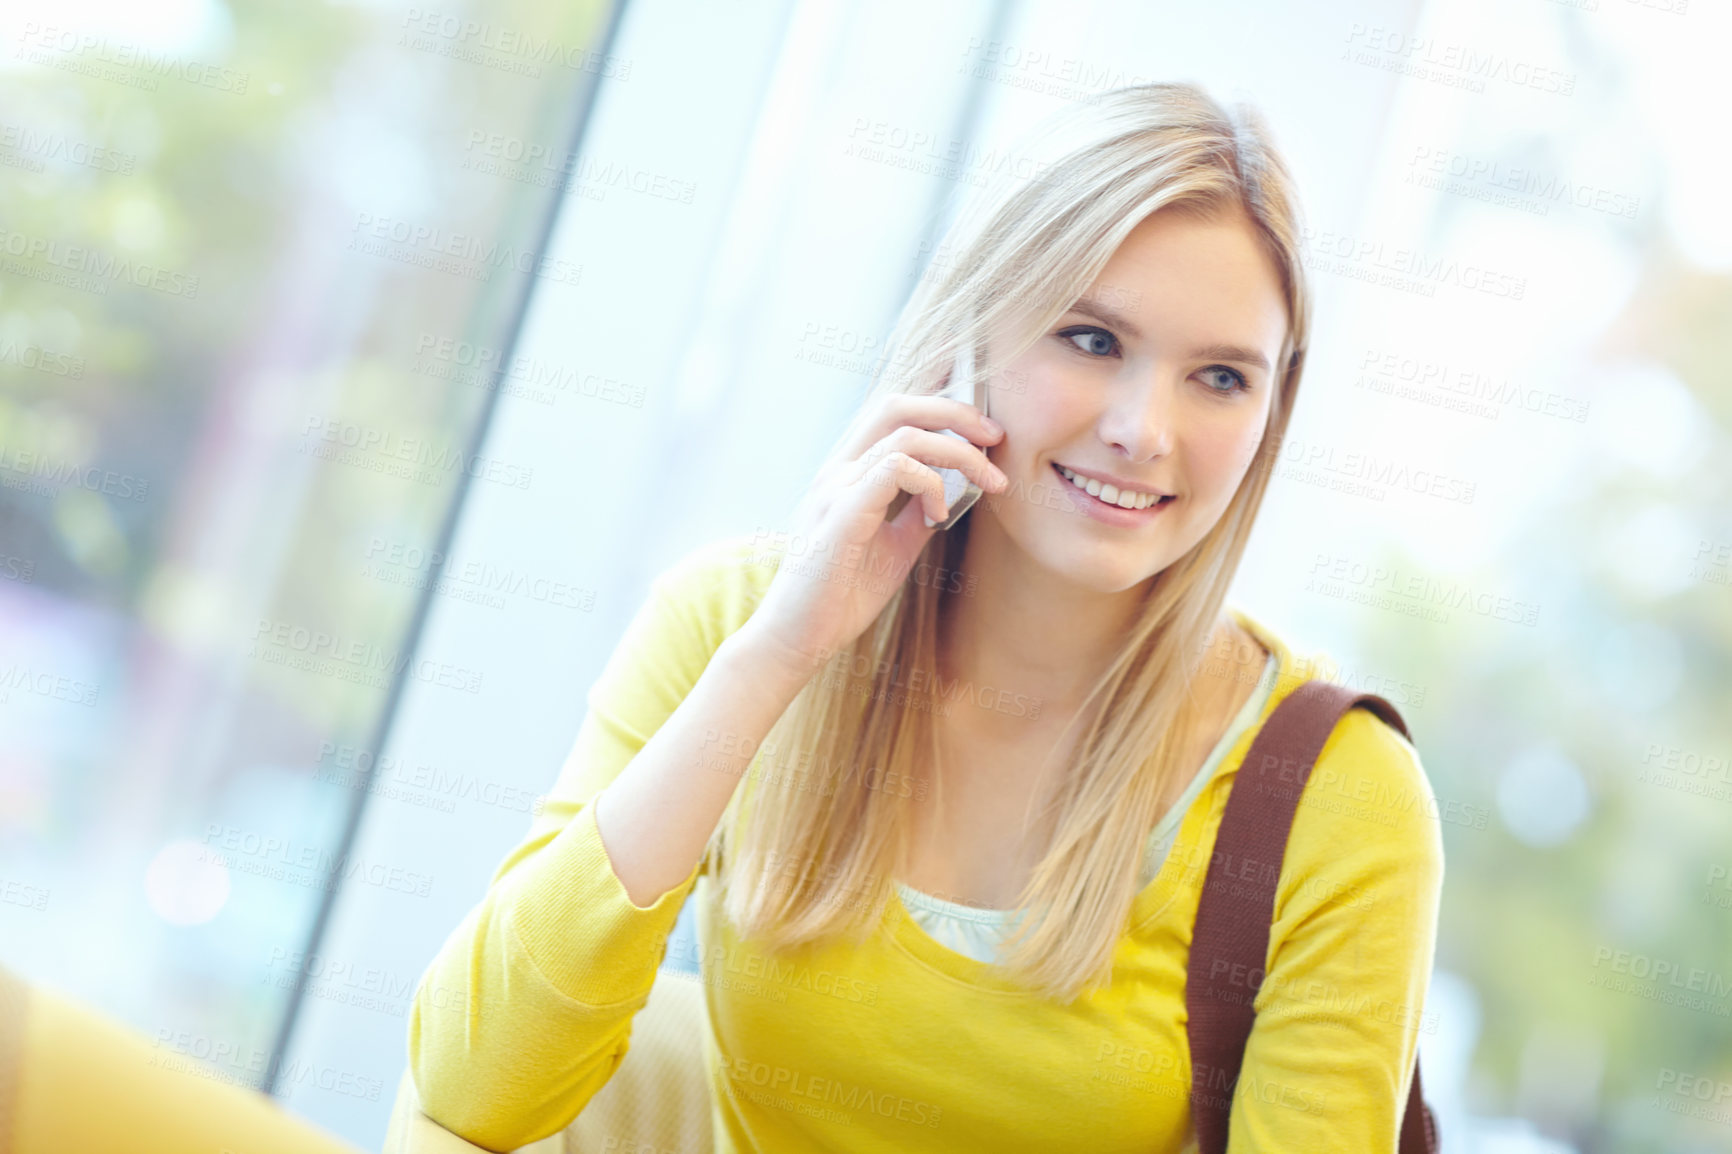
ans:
(812, 841)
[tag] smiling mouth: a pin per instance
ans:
(1111, 495)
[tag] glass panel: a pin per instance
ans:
(260, 263)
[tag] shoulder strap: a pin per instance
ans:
(1231, 937)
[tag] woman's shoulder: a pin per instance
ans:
(692, 606)
(1294, 666)
(1368, 773)
(1366, 836)
(718, 584)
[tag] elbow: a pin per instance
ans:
(494, 1138)
(450, 1083)
(449, 1096)
(468, 1108)
(490, 1091)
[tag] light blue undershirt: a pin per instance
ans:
(976, 932)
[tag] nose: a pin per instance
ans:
(1138, 420)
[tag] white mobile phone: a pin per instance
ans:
(960, 493)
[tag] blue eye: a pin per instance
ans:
(1236, 382)
(1096, 341)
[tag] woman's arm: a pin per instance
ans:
(526, 1011)
(656, 818)
(1329, 1060)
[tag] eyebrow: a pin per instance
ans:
(1227, 352)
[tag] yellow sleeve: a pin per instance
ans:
(1330, 1058)
(526, 1011)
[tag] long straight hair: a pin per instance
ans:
(814, 837)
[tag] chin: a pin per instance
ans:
(1098, 566)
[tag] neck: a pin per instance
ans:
(1027, 630)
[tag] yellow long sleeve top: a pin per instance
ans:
(902, 1044)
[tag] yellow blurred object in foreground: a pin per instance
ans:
(74, 1082)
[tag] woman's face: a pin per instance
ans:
(1158, 380)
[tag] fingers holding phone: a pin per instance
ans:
(925, 447)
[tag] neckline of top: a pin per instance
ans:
(1242, 719)
(1155, 897)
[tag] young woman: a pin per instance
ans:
(945, 799)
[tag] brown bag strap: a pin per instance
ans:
(1231, 936)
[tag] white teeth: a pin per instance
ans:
(1109, 493)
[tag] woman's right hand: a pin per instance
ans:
(844, 560)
